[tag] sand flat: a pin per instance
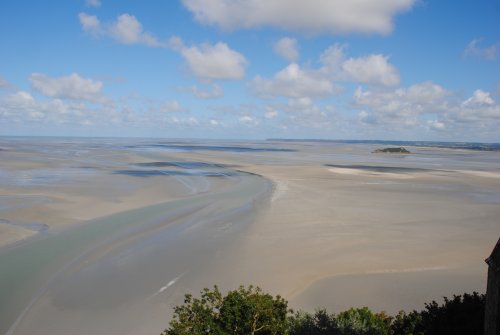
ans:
(330, 222)
(326, 225)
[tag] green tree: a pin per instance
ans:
(461, 315)
(242, 311)
(362, 321)
(197, 315)
(406, 324)
(319, 323)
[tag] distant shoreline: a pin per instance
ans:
(478, 146)
(484, 146)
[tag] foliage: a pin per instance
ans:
(362, 321)
(406, 324)
(319, 323)
(197, 316)
(250, 311)
(355, 321)
(242, 311)
(459, 315)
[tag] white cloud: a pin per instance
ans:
(317, 16)
(187, 121)
(372, 69)
(479, 98)
(478, 108)
(20, 99)
(211, 62)
(248, 121)
(436, 125)
(332, 58)
(4, 84)
(21, 107)
(69, 87)
(398, 104)
(303, 112)
(215, 92)
(489, 53)
(126, 30)
(287, 48)
(429, 107)
(294, 82)
(90, 23)
(270, 113)
(171, 107)
(93, 3)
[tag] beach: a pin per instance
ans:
(107, 235)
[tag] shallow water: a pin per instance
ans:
(143, 258)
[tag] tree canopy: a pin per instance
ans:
(248, 310)
(242, 311)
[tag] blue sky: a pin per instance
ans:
(229, 69)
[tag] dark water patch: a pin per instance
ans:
(379, 168)
(38, 227)
(189, 173)
(185, 165)
(178, 147)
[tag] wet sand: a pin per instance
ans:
(339, 212)
(133, 225)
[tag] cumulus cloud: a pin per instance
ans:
(214, 123)
(317, 16)
(479, 98)
(403, 103)
(171, 107)
(294, 82)
(215, 92)
(211, 61)
(185, 121)
(478, 108)
(90, 23)
(248, 120)
(436, 125)
(372, 69)
(430, 107)
(20, 99)
(488, 53)
(22, 107)
(4, 84)
(58, 107)
(303, 112)
(332, 58)
(270, 113)
(126, 29)
(68, 87)
(93, 3)
(287, 48)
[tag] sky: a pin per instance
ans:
(426, 70)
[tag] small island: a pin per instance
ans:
(399, 150)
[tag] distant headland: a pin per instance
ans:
(399, 150)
